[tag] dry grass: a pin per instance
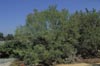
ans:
(84, 62)
(80, 64)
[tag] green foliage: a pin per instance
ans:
(56, 36)
(9, 37)
(46, 31)
(1, 36)
(89, 25)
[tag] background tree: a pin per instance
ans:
(88, 28)
(1, 36)
(9, 37)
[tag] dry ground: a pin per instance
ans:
(79, 64)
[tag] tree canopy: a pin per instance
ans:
(57, 36)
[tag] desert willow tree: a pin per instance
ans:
(49, 29)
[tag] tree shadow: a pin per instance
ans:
(95, 64)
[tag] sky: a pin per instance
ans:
(13, 12)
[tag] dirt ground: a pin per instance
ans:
(79, 64)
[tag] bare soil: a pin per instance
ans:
(79, 64)
(84, 62)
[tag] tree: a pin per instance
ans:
(56, 36)
(1, 36)
(49, 29)
(9, 37)
(88, 28)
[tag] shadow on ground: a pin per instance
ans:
(95, 64)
